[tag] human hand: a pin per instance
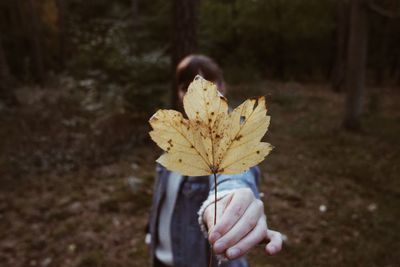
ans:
(241, 225)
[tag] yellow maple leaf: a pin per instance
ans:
(212, 139)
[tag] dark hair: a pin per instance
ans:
(193, 65)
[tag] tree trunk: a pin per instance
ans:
(5, 75)
(234, 16)
(6, 94)
(280, 60)
(395, 69)
(184, 35)
(62, 32)
(36, 43)
(342, 25)
(356, 64)
(135, 22)
(382, 52)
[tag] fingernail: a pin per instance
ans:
(233, 253)
(219, 247)
(214, 236)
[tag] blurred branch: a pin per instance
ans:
(382, 11)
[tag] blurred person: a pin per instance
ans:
(182, 213)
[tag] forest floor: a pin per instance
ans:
(76, 180)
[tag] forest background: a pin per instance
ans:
(79, 80)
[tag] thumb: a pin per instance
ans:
(209, 215)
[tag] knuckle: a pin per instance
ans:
(251, 225)
(259, 204)
(231, 241)
(254, 222)
(237, 211)
(244, 247)
(247, 227)
(223, 227)
(247, 192)
(242, 251)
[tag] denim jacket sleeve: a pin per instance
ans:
(227, 182)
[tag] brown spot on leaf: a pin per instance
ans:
(209, 120)
(180, 160)
(217, 136)
(238, 137)
(212, 113)
(208, 103)
(191, 146)
(258, 151)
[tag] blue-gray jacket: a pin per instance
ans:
(189, 246)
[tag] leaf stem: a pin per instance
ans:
(215, 215)
(215, 198)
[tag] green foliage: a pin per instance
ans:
(262, 35)
(132, 58)
(252, 40)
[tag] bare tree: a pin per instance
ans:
(6, 79)
(387, 16)
(5, 75)
(357, 56)
(62, 31)
(184, 34)
(280, 43)
(341, 36)
(36, 42)
(356, 64)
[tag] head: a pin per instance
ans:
(193, 65)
